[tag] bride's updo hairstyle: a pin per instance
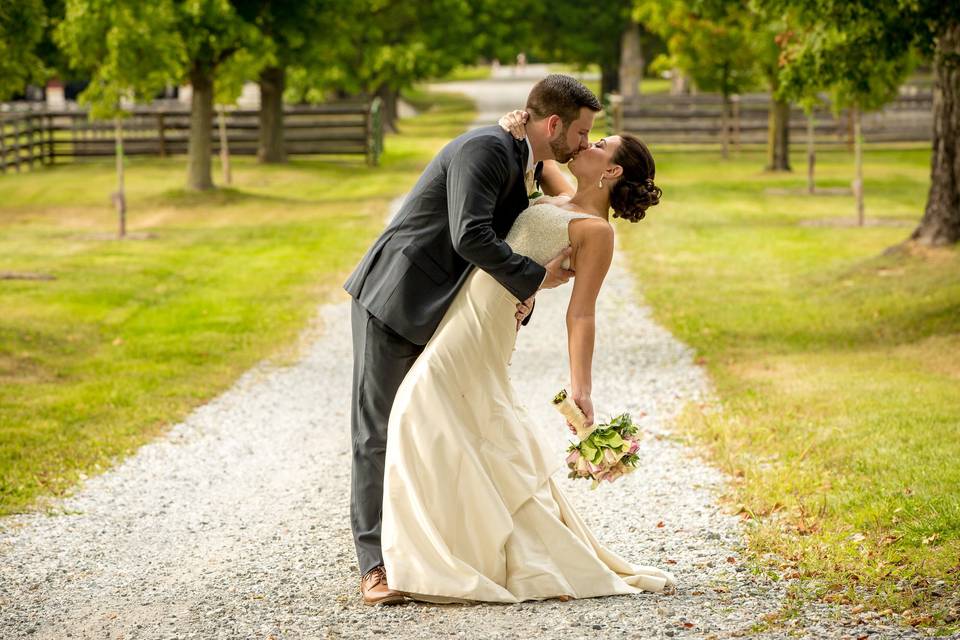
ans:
(634, 192)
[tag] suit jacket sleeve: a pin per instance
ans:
(476, 174)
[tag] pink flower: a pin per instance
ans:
(572, 458)
(634, 446)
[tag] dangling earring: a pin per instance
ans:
(601, 182)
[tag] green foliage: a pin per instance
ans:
(501, 29)
(579, 33)
(21, 30)
(302, 36)
(130, 48)
(133, 49)
(860, 50)
(393, 44)
(718, 47)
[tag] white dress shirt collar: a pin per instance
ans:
(530, 162)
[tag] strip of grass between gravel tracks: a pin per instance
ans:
(837, 367)
(134, 334)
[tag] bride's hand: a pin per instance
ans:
(586, 405)
(516, 123)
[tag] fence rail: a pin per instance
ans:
(32, 137)
(698, 119)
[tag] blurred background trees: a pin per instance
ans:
(858, 53)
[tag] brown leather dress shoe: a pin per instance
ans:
(374, 588)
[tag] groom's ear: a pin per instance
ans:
(553, 125)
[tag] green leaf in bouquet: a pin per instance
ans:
(588, 450)
(610, 439)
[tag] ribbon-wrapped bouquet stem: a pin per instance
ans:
(604, 451)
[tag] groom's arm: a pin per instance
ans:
(475, 176)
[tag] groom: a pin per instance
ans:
(455, 218)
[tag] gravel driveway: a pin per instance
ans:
(235, 524)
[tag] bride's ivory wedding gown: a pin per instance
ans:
(470, 511)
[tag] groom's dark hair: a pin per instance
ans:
(561, 95)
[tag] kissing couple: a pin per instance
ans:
(452, 495)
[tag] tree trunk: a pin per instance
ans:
(388, 111)
(270, 146)
(119, 196)
(609, 80)
(811, 153)
(941, 219)
(224, 145)
(201, 119)
(858, 162)
(778, 136)
(631, 62)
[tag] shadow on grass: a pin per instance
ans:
(218, 197)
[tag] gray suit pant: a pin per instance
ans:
(381, 359)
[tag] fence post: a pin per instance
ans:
(16, 142)
(50, 124)
(73, 136)
(163, 140)
(374, 132)
(30, 142)
(3, 145)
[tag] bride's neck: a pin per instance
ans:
(592, 200)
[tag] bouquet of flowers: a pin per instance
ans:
(605, 451)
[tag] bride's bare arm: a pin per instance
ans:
(592, 241)
(553, 182)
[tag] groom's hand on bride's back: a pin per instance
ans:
(556, 274)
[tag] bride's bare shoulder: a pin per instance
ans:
(594, 234)
(554, 200)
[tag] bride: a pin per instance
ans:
(470, 509)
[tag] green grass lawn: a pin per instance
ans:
(133, 334)
(837, 367)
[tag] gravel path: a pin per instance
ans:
(235, 524)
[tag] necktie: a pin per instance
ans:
(528, 181)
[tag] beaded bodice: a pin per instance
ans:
(541, 232)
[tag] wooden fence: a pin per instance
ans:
(697, 119)
(39, 136)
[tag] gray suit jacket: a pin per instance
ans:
(455, 217)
